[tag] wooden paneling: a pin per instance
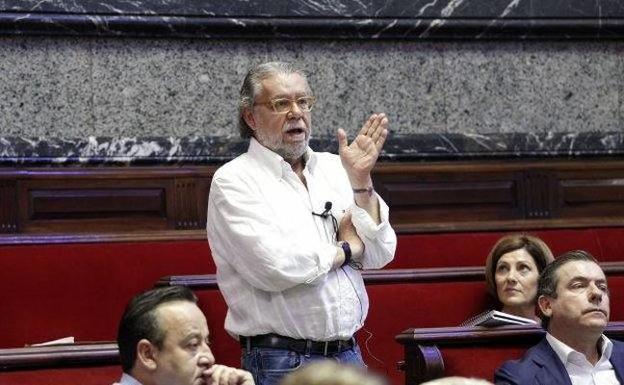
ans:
(474, 196)
(96, 203)
(8, 206)
(586, 198)
(423, 197)
(191, 200)
(82, 205)
(508, 195)
(98, 200)
(538, 194)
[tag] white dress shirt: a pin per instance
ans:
(274, 257)
(581, 371)
(127, 379)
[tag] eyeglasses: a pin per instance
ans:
(284, 105)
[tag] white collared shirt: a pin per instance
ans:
(127, 379)
(580, 370)
(274, 257)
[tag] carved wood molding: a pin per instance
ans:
(102, 237)
(82, 354)
(506, 225)
(427, 363)
(371, 277)
(8, 206)
(196, 282)
(117, 204)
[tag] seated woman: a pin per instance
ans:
(511, 272)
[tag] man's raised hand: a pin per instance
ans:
(359, 157)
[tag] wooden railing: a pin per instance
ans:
(429, 353)
(440, 274)
(58, 356)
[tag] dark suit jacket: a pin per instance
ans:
(541, 366)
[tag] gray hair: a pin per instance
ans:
(252, 87)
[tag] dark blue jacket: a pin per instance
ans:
(541, 366)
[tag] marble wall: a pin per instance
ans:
(100, 97)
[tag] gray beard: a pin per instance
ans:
(292, 153)
(288, 152)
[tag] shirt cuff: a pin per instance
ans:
(326, 254)
(365, 224)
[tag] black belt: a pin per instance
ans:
(300, 346)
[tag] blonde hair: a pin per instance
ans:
(329, 372)
(457, 381)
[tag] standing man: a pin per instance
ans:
(163, 340)
(290, 228)
(574, 299)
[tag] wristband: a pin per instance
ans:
(368, 190)
(347, 252)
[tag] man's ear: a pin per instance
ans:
(147, 355)
(249, 118)
(545, 304)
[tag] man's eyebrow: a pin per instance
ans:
(191, 336)
(279, 96)
(287, 96)
(578, 278)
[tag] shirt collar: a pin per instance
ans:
(607, 347)
(275, 163)
(127, 379)
(563, 351)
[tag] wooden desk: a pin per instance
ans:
(81, 363)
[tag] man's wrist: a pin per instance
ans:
(365, 190)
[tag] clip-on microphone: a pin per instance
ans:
(326, 213)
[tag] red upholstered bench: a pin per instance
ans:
(399, 298)
(470, 249)
(51, 291)
(80, 289)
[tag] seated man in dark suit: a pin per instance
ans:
(574, 299)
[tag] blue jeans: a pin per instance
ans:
(268, 365)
